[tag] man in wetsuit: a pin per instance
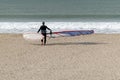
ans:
(43, 32)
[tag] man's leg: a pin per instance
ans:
(45, 39)
(41, 41)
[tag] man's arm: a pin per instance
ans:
(50, 30)
(39, 30)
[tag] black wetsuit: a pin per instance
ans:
(43, 32)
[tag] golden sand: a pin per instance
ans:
(91, 57)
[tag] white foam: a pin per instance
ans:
(98, 27)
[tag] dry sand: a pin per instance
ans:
(92, 57)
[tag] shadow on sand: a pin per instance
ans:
(74, 43)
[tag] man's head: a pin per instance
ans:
(43, 22)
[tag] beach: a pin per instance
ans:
(85, 57)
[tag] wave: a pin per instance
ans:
(56, 17)
(22, 27)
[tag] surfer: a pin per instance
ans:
(43, 29)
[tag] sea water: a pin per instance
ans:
(23, 24)
(20, 16)
(32, 24)
(22, 27)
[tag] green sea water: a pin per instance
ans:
(59, 10)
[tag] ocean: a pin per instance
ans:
(102, 16)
